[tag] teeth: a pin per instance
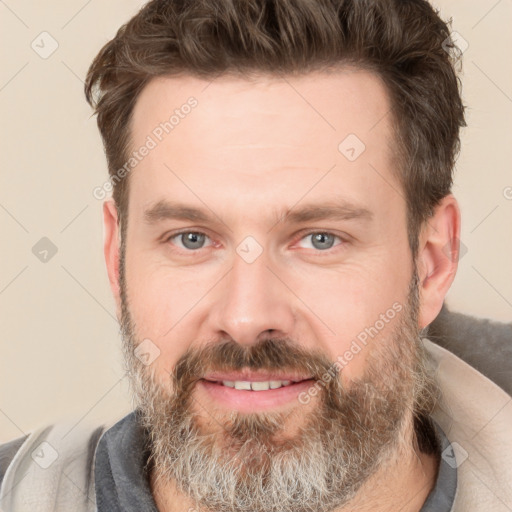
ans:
(256, 386)
(260, 386)
(241, 384)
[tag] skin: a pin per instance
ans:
(248, 153)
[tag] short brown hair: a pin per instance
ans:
(404, 41)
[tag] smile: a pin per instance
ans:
(256, 385)
(252, 395)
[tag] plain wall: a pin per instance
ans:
(60, 348)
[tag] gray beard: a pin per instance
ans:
(244, 462)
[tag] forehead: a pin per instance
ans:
(248, 136)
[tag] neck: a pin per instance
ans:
(402, 482)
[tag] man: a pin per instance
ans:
(280, 236)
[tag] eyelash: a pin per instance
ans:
(303, 235)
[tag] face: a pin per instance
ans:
(266, 249)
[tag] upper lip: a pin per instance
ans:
(251, 376)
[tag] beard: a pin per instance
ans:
(251, 462)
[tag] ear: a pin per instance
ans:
(111, 248)
(438, 257)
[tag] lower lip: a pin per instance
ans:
(249, 401)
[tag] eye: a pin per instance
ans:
(194, 240)
(320, 240)
(189, 240)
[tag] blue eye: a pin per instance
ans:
(321, 240)
(195, 240)
(190, 240)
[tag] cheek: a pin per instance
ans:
(354, 309)
(161, 303)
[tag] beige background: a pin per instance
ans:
(60, 355)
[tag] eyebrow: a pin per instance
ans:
(342, 210)
(332, 211)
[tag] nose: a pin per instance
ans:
(252, 300)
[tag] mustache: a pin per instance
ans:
(272, 354)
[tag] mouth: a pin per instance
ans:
(247, 385)
(249, 392)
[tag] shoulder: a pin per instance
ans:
(39, 458)
(475, 414)
(483, 344)
(7, 452)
